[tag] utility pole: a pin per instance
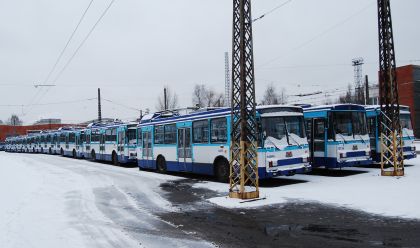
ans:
(358, 72)
(390, 127)
(244, 148)
(99, 106)
(367, 90)
(227, 81)
(165, 99)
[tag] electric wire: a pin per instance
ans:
(324, 32)
(84, 40)
(79, 47)
(271, 11)
(68, 41)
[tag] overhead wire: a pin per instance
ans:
(79, 47)
(271, 11)
(324, 32)
(68, 41)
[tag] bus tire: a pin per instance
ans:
(222, 170)
(161, 164)
(74, 154)
(115, 161)
(93, 156)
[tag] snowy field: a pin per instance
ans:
(50, 201)
(367, 191)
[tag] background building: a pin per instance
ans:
(8, 131)
(408, 78)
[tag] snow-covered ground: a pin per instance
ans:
(50, 201)
(369, 192)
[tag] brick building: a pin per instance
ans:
(7, 131)
(408, 79)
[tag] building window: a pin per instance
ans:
(201, 132)
(219, 130)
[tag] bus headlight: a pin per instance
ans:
(413, 148)
(343, 155)
(270, 164)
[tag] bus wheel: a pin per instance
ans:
(115, 159)
(161, 164)
(74, 154)
(93, 155)
(222, 170)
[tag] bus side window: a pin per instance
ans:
(219, 130)
(309, 128)
(139, 137)
(201, 132)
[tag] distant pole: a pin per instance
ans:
(141, 114)
(99, 106)
(367, 90)
(165, 99)
(227, 81)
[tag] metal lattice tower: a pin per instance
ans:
(227, 81)
(244, 148)
(358, 79)
(390, 128)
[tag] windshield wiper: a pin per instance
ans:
(342, 136)
(294, 139)
(361, 137)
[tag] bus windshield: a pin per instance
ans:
(405, 120)
(281, 127)
(350, 123)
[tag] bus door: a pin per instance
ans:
(121, 145)
(102, 146)
(184, 149)
(318, 141)
(147, 154)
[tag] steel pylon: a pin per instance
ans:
(392, 159)
(244, 148)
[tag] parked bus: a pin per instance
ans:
(199, 142)
(337, 135)
(111, 142)
(373, 113)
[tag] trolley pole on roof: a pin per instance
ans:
(390, 128)
(244, 149)
(99, 106)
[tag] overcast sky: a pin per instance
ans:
(141, 46)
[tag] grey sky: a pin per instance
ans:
(140, 46)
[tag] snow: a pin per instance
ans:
(50, 201)
(368, 192)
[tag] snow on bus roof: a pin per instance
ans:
(338, 106)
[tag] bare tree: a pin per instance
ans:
(14, 120)
(168, 102)
(199, 95)
(205, 97)
(270, 96)
(219, 100)
(348, 97)
(282, 96)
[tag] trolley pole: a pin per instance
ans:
(244, 149)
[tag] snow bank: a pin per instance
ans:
(368, 192)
